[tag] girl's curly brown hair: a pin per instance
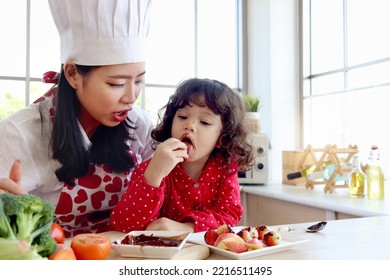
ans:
(224, 102)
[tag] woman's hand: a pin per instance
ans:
(168, 224)
(167, 155)
(12, 183)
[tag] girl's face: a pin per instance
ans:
(108, 93)
(199, 128)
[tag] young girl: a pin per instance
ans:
(191, 183)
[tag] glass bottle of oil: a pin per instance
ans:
(302, 173)
(375, 177)
(305, 172)
(356, 179)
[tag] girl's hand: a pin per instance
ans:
(167, 155)
(168, 224)
(11, 184)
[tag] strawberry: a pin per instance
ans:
(254, 233)
(224, 229)
(246, 228)
(272, 238)
(261, 231)
(210, 236)
(245, 234)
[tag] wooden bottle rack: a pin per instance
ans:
(332, 153)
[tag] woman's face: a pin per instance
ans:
(107, 94)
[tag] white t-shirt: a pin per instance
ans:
(25, 136)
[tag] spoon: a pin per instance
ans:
(313, 228)
(316, 227)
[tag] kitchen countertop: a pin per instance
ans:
(347, 239)
(363, 238)
(337, 201)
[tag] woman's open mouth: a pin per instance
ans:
(120, 116)
(187, 139)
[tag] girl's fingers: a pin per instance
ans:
(181, 154)
(176, 144)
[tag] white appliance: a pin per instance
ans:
(258, 175)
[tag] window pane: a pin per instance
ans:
(177, 50)
(356, 115)
(37, 89)
(354, 118)
(45, 41)
(217, 41)
(323, 120)
(13, 42)
(155, 99)
(326, 35)
(368, 24)
(328, 84)
(369, 76)
(364, 122)
(171, 42)
(12, 97)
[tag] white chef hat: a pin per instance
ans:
(102, 32)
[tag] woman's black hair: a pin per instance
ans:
(223, 101)
(110, 145)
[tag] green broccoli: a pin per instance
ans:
(45, 244)
(25, 225)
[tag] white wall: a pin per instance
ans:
(273, 73)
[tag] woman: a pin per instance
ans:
(191, 183)
(77, 145)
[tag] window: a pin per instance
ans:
(21, 67)
(346, 68)
(188, 38)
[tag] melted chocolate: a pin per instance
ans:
(150, 240)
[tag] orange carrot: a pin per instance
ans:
(63, 253)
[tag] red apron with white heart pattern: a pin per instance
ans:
(86, 207)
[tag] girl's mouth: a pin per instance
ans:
(186, 139)
(120, 116)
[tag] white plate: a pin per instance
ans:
(285, 244)
(158, 252)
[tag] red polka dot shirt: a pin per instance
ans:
(211, 200)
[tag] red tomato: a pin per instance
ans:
(58, 234)
(91, 246)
